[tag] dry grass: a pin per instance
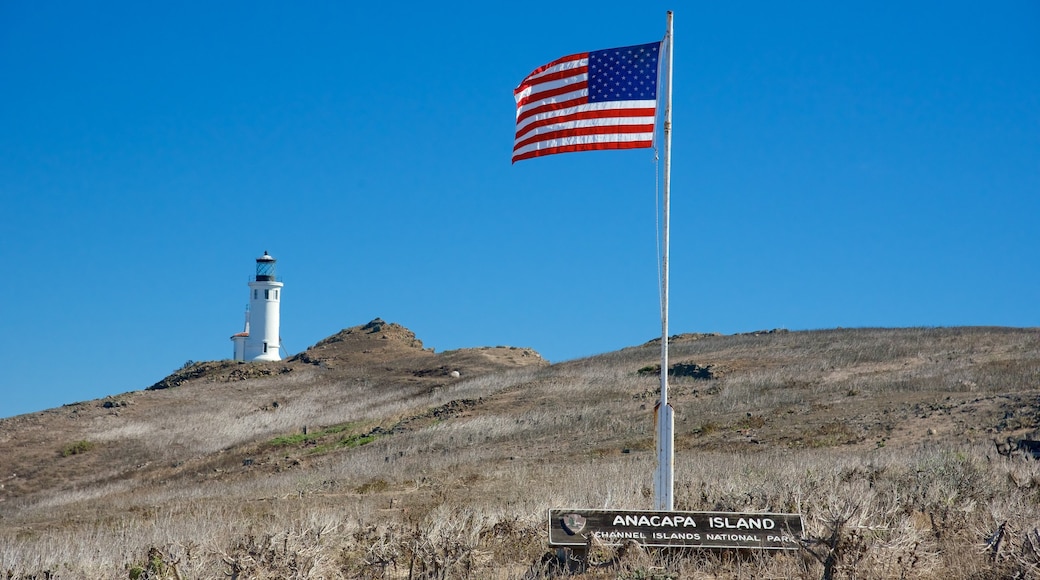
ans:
(924, 513)
(880, 438)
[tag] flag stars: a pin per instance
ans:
(623, 73)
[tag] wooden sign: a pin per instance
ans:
(761, 531)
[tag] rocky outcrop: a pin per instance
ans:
(688, 369)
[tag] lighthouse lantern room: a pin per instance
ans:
(260, 340)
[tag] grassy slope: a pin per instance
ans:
(881, 438)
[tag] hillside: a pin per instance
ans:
(207, 408)
(369, 455)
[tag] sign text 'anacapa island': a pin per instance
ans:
(766, 531)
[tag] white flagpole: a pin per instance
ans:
(665, 434)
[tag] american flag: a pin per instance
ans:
(605, 99)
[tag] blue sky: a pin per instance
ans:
(834, 164)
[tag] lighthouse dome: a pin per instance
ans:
(265, 269)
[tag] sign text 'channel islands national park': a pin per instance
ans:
(764, 531)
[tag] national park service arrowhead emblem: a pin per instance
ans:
(573, 523)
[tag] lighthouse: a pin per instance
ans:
(260, 341)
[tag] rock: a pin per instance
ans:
(687, 369)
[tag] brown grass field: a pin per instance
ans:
(364, 457)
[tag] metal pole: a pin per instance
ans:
(665, 434)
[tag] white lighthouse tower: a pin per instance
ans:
(260, 340)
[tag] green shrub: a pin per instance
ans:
(76, 448)
(350, 441)
(320, 441)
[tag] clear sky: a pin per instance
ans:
(834, 164)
